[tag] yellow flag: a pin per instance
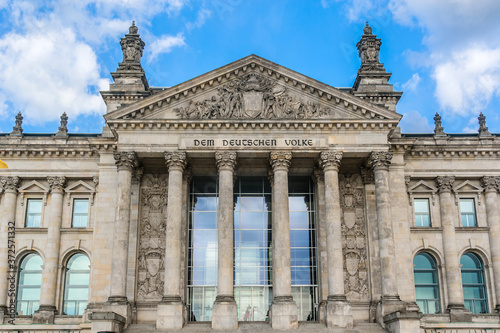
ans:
(3, 165)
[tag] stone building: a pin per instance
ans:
(250, 198)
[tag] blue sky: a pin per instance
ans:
(56, 55)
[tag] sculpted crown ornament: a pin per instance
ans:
(126, 159)
(380, 159)
(280, 160)
(176, 160)
(368, 50)
(445, 183)
(9, 183)
(225, 160)
(132, 47)
(490, 183)
(56, 183)
(330, 159)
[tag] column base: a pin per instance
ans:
(225, 313)
(458, 313)
(387, 305)
(44, 315)
(403, 322)
(283, 314)
(338, 312)
(171, 313)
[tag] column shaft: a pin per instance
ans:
(9, 185)
(126, 163)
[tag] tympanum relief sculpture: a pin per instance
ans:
(354, 237)
(252, 97)
(152, 238)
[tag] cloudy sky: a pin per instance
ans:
(55, 56)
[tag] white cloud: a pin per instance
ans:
(472, 126)
(201, 18)
(165, 44)
(412, 83)
(414, 122)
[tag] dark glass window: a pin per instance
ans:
(34, 213)
(29, 284)
(80, 213)
(422, 213)
(426, 283)
(475, 298)
(76, 289)
(468, 212)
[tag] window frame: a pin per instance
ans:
(26, 211)
(19, 288)
(436, 285)
(483, 285)
(474, 205)
(428, 212)
(73, 199)
(65, 283)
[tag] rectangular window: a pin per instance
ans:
(468, 212)
(422, 213)
(80, 213)
(34, 213)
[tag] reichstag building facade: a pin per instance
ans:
(250, 198)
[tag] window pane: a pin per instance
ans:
(421, 205)
(34, 213)
(474, 289)
(35, 206)
(29, 284)
(205, 220)
(76, 291)
(426, 283)
(81, 206)
(467, 205)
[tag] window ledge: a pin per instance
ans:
(77, 230)
(426, 229)
(472, 229)
(25, 230)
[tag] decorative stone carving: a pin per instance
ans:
(126, 159)
(252, 97)
(9, 183)
(18, 128)
(318, 175)
(152, 238)
(380, 159)
(367, 176)
(176, 160)
(95, 180)
(354, 237)
(63, 129)
(445, 183)
(368, 50)
(330, 159)
(280, 159)
(56, 183)
(490, 183)
(137, 175)
(132, 47)
(225, 160)
(483, 130)
(438, 128)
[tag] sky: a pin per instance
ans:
(56, 55)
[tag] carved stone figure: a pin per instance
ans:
(152, 238)
(483, 130)
(253, 97)
(368, 49)
(354, 237)
(132, 48)
(63, 129)
(18, 128)
(438, 128)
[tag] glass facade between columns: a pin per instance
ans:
(252, 247)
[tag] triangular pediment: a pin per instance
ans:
(79, 187)
(422, 187)
(467, 187)
(34, 187)
(249, 89)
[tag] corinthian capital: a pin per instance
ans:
(56, 183)
(176, 160)
(126, 160)
(490, 183)
(330, 160)
(445, 183)
(380, 159)
(9, 183)
(280, 160)
(225, 160)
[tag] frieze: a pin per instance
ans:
(354, 237)
(152, 232)
(252, 97)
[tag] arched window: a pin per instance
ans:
(29, 284)
(426, 283)
(76, 289)
(475, 298)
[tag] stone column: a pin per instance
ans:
(171, 310)
(452, 263)
(47, 310)
(225, 312)
(9, 186)
(284, 309)
(126, 162)
(338, 310)
(319, 179)
(491, 187)
(390, 301)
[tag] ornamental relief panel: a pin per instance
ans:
(152, 228)
(253, 96)
(354, 237)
